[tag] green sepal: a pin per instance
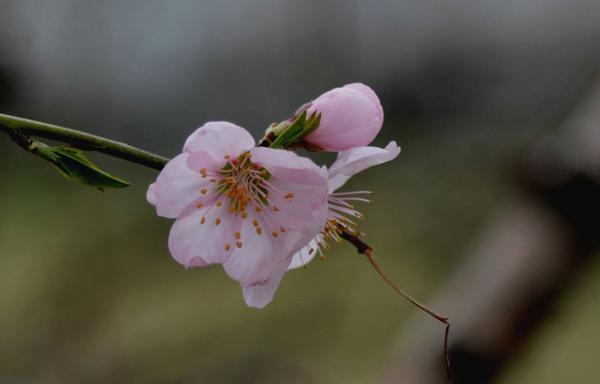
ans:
(296, 130)
(73, 165)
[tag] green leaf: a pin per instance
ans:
(73, 164)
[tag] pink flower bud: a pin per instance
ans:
(351, 116)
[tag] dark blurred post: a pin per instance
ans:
(527, 258)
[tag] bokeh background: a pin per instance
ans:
(471, 91)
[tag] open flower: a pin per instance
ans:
(250, 209)
(341, 211)
(351, 116)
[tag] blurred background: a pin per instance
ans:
(489, 215)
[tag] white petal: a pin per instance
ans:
(305, 255)
(220, 138)
(176, 187)
(197, 242)
(260, 254)
(260, 294)
(355, 160)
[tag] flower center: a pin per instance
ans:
(243, 183)
(239, 186)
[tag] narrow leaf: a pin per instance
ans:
(73, 164)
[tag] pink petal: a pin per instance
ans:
(287, 164)
(310, 231)
(260, 254)
(176, 187)
(196, 242)
(260, 294)
(293, 212)
(297, 188)
(219, 138)
(351, 117)
(356, 160)
(208, 161)
(370, 94)
(151, 194)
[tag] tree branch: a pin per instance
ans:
(17, 127)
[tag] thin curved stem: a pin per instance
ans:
(442, 319)
(365, 249)
(16, 126)
(369, 255)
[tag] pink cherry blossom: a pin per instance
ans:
(249, 209)
(340, 209)
(351, 116)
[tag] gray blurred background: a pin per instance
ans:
(471, 91)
